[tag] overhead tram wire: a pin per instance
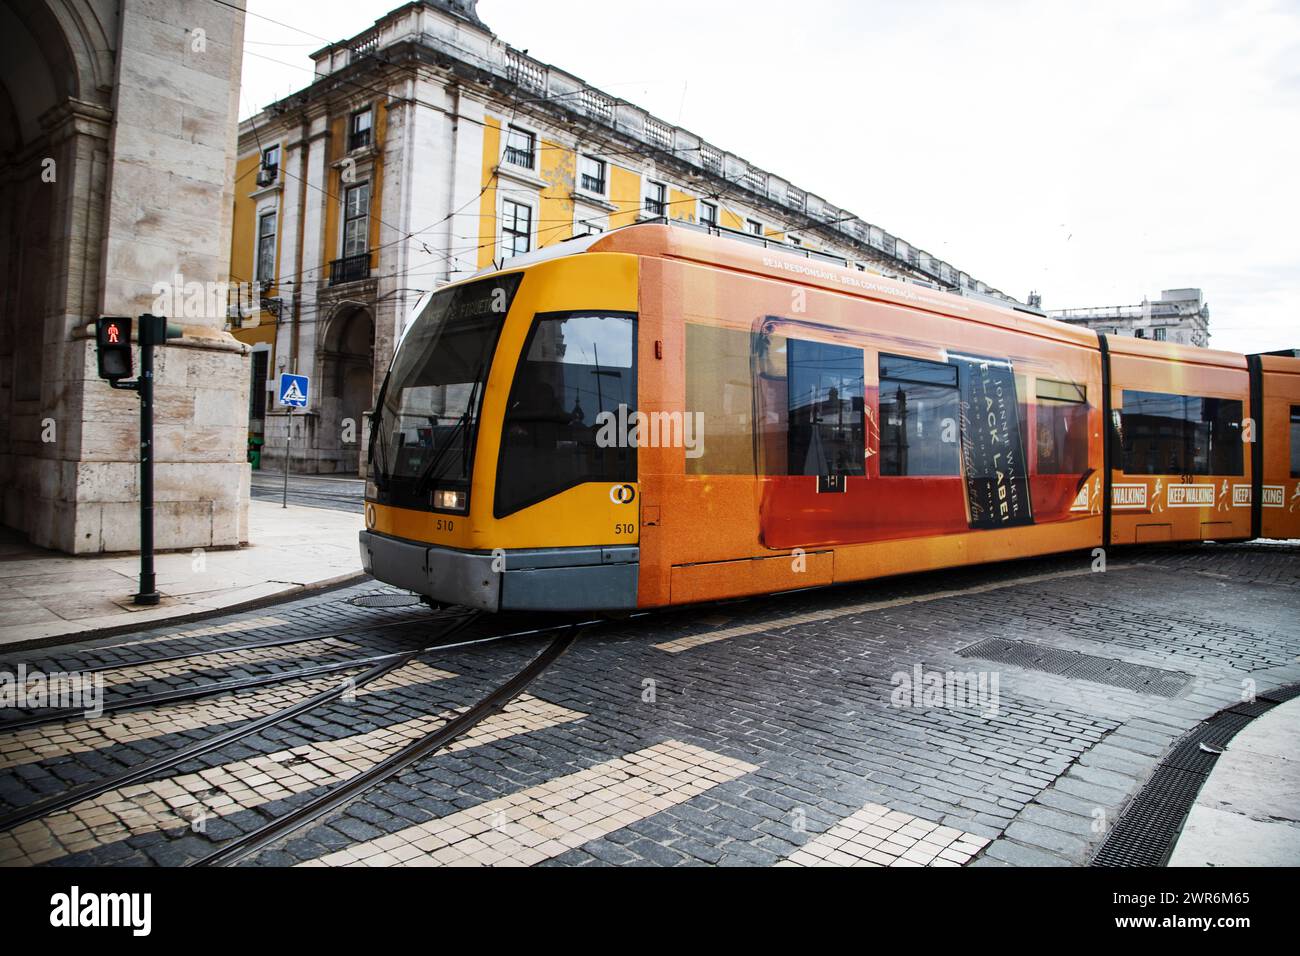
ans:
(516, 102)
(633, 151)
(457, 253)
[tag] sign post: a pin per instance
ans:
(293, 392)
(113, 345)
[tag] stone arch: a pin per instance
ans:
(88, 227)
(347, 370)
(56, 80)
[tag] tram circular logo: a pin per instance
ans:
(370, 516)
(622, 494)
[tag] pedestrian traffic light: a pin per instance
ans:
(113, 343)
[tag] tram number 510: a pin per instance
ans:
(624, 527)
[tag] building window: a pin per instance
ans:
(587, 228)
(754, 227)
(257, 391)
(827, 414)
(359, 129)
(1158, 334)
(516, 228)
(1161, 434)
(266, 247)
(920, 409)
(656, 199)
(356, 220)
(521, 148)
(1140, 333)
(794, 240)
(709, 214)
(592, 177)
(270, 164)
(1295, 441)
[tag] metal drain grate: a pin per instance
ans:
(382, 599)
(1281, 695)
(1146, 832)
(1100, 670)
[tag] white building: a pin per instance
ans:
(428, 148)
(1179, 315)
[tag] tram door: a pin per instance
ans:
(812, 434)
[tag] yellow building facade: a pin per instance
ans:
(428, 149)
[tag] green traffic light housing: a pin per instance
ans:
(156, 330)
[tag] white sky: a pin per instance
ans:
(1096, 152)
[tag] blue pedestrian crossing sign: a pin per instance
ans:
(293, 390)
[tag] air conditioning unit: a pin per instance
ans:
(266, 176)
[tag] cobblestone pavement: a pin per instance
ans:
(862, 725)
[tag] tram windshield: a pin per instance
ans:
(422, 435)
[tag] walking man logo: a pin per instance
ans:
(1156, 504)
(1295, 499)
(1225, 503)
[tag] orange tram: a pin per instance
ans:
(661, 416)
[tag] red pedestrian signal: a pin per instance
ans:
(113, 342)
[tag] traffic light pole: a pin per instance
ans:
(288, 447)
(112, 338)
(148, 593)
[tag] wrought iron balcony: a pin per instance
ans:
(350, 269)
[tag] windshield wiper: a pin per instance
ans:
(378, 471)
(429, 472)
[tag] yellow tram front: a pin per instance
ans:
(498, 477)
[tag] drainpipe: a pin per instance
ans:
(299, 240)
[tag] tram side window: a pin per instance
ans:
(575, 366)
(1162, 434)
(827, 416)
(1061, 428)
(720, 391)
(919, 415)
(1295, 441)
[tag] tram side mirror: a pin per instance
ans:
(113, 347)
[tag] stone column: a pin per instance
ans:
(165, 249)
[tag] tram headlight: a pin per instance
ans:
(447, 500)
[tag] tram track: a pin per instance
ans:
(340, 633)
(380, 667)
(342, 793)
(212, 688)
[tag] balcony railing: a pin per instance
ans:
(519, 157)
(350, 269)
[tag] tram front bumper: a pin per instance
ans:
(533, 579)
